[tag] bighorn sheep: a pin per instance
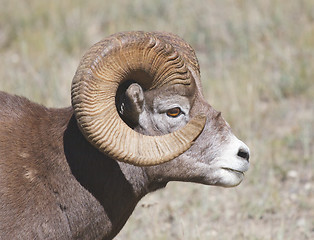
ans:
(138, 120)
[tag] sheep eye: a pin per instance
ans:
(174, 112)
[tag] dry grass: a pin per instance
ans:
(257, 64)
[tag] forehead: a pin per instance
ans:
(167, 102)
(177, 91)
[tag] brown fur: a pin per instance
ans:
(48, 189)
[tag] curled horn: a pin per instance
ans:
(151, 62)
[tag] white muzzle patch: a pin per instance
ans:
(230, 165)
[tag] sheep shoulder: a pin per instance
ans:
(37, 189)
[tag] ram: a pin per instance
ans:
(138, 120)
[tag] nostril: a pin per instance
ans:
(243, 153)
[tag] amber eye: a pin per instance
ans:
(174, 112)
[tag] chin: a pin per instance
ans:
(229, 178)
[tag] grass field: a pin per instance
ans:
(257, 67)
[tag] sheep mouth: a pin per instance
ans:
(233, 170)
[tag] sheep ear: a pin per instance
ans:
(135, 95)
(132, 104)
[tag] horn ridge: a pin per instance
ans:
(107, 65)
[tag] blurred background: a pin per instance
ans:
(257, 67)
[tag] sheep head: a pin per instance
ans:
(137, 98)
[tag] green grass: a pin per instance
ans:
(257, 67)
